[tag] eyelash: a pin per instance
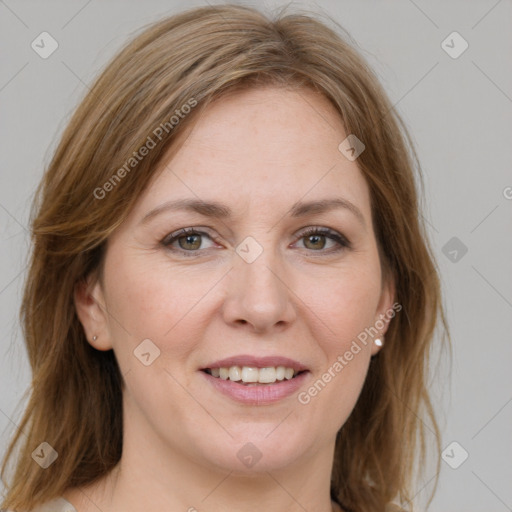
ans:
(343, 242)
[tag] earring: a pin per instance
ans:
(379, 342)
(94, 338)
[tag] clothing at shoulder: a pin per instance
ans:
(392, 507)
(62, 505)
(56, 505)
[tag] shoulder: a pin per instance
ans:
(391, 507)
(56, 505)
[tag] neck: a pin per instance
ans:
(196, 488)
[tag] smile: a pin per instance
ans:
(251, 375)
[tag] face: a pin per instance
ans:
(283, 271)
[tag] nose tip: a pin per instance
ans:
(258, 295)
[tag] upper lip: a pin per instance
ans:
(256, 361)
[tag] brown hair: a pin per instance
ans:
(193, 58)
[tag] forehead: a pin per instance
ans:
(262, 146)
(277, 125)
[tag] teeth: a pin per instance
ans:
(235, 373)
(268, 375)
(251, 374)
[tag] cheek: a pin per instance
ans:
(345, 308)
(348, 305)
(138, 297)
(151, 302)
(349, 308)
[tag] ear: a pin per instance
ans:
(386, 309)
(90, 308)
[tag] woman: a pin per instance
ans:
(231, 300)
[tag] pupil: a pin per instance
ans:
(315, 238)
(189, 239)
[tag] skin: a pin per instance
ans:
(298, 299)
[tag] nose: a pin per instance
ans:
(258, 294)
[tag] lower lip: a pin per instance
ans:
(262, 394)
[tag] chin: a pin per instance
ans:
(258, 449)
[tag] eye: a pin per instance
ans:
(189, 240)
(315, 239)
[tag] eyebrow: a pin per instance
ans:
(217, 210)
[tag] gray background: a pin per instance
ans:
(459, 112)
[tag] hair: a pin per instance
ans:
(193, 58)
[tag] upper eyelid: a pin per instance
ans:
(208, 231)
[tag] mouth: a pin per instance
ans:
(254, 376)
(254, 380)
